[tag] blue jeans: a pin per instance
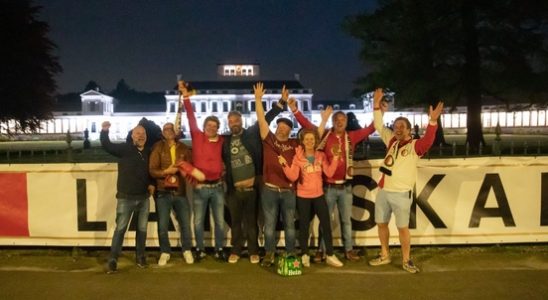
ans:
(215, 196)
(343, 199)
(272, 201)
(164, 203)
(138, 207)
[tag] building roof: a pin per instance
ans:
(244, 85)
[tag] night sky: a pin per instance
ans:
(149, 42)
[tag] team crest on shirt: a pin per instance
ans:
(404, 152)
(389, 160)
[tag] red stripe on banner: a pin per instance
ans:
(14, 220)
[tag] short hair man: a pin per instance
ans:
(398, 179)
(134, 187)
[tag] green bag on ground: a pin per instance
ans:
(290, 265)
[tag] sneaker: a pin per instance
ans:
(410, 267)
(254, 259)
(142, 262)
(187, 255)
(233, 258)
(333, 261)
(220, 255)
(379, 260)
(351, 256)
(319, 257)
(112, 266)
(268, 259)
(200, 255)
(164, 258)
(306, 260)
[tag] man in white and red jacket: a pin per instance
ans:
(398, 179)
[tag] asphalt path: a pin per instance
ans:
(488, 272)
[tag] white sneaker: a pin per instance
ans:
(306, 260)
(189, 258)
(333, 261)
(164, 258)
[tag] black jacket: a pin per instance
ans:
(133, 176)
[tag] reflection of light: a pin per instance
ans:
(541, 118)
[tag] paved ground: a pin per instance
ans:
(488, 272)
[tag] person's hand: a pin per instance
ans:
(326, 113)
(292, 104)
(105, 126)
(377, 97)
(282, 161)
(285, 93)
(183, 89)
(435, 113)
(171, 170)
(258, 90)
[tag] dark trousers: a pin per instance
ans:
(243, 214)
(305, 207)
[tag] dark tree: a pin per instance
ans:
(27, 66)
(92, 85)
(460, 51)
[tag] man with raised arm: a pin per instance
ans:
(338, 188)
(207, 157)
(133, 189)
(398, 179)
(243, 158)
(278, 191)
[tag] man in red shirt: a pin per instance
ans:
(278, 191)
(207, 157)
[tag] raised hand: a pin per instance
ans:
(285, 93)
(258, 90)
(435, 113)
(292, 104)
(326, 113)
(377, 97)
(183, 89)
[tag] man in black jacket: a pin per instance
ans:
(243, 159)
(134, 187)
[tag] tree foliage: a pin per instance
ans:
(27, 66)
(460, 51)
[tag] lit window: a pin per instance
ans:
(526, 118)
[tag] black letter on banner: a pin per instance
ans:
(422, 202)
(81, 203)
(503, 209)
(366, 204)
(544, 200)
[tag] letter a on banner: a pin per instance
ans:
(13, 205)
(503, 209)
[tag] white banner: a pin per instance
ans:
(457, 201)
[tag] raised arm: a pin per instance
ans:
(325, 114)
(177, 125)
(114, 149)
(258, 90)
(385, 133)
(188, 107)
(301, 119)
(423, 144)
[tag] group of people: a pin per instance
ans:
(256, 168)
